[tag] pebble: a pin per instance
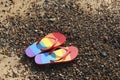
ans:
(52, 19)
(86, 78)
(105, 38)
(36, 30)
(61, 75)
(119, 55)
(103, 54)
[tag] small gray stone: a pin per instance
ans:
(103, 54)
(52, 19)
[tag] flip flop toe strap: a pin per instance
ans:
(63, 57)
(45, 49)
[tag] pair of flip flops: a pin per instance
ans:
(47, 50)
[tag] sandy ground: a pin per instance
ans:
(21, 7)
(14, 65)
(14, 7)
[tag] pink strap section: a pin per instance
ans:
(45, 49)
(63, 57)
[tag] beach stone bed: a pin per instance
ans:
(95, 33)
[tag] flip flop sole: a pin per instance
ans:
(42, 59)
(34, 49)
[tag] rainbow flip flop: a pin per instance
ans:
(50, 41)
(65, 54)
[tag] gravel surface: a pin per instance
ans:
(97, 36)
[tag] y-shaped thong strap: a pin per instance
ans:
(63, 57)
(45, 49)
